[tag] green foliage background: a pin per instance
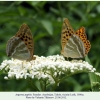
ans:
(45, 20)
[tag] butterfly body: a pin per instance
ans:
(20, 46)
(74, 43)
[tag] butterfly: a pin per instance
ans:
(21, 45)
(74, 43)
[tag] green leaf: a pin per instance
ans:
(1, 71)
(47, 25)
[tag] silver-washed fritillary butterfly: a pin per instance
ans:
(74, 43)
(21, 45)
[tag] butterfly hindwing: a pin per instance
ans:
(81, 33)
(17, 49)
(72, 50)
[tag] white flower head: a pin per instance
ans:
(49, 68)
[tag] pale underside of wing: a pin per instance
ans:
(74, 48)
(17, 49)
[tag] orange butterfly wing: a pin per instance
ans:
(81, 33)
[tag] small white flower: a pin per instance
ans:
(48, 68)
(98, 74)
(6, 78)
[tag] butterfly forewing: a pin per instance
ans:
(67, 31)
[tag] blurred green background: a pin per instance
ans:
(45, 20)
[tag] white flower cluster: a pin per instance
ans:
(97, 73)
(49, 68)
